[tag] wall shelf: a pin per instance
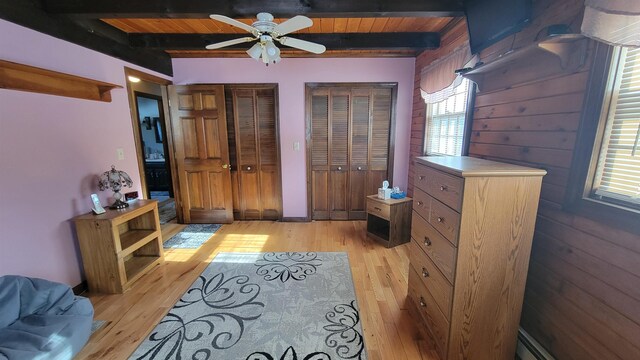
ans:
(554, 55)
(16, 76)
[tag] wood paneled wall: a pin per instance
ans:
(582, 298)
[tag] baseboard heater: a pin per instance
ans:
(530, 349)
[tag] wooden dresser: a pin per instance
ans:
(472, 227)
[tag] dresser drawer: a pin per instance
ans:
(439, 249)
(433, 318)
(421, 203)
(432, 279)
(442, 186)
(445, 220)
(379, 209)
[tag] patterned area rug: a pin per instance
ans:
(263, 306)
(167, 211)
(192, 236)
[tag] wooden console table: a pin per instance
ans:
(389, 221)
(120, 246)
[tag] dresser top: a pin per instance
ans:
(466, 166)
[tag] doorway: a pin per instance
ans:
(148, 103)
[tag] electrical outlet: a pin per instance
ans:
(296, 146)
(120, 152)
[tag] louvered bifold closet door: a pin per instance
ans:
(359, 154)
(319, 144)
(270, 189)
(379, 135)
(247, 152)
(339, 154)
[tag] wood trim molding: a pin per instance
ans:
(163, 83)
(21, 77)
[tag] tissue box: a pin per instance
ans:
(384, 194)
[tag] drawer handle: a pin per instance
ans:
(420, 203)
(443, 187)
(427, 241)
(377, 208)
(422, 303)
(420, 177)
(440, 219)
(425, 273)
(359, 167)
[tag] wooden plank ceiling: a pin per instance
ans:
(369, 25)
(149, 33)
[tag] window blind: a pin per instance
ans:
(445, 123)
(618, 170)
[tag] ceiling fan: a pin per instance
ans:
(265, 31)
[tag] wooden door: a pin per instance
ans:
(339, 154)
(380, 135)
(359, 154)
(319, 154)
(348, 142)
(198, 123)
(257, 154)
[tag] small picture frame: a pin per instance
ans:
(157, 125)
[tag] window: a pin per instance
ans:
(617, 175)
(445, 125)
(605, 177)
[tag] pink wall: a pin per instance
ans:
(51, 150)
(291, 76)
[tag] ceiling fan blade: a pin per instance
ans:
(302, 45)
(294, 24)
(234, 22)
(229, 43)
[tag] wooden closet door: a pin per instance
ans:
(247, 152)
(319, 159)
(359, 154)
(270, 188)
(258, 170)
(339, 154)
(379, 135)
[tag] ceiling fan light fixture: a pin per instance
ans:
(255, 51)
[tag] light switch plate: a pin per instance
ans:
(120, 152)
(296, 146)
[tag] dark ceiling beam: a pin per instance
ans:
(249, 8)
(92, 34)
(346, 41)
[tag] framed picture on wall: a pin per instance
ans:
(157, 129)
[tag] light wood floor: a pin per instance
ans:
(380, 277)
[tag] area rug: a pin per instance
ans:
(167, 211)
(263, 306)
(192, 236)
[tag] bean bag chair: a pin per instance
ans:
(40, 319)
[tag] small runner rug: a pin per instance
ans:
(192, 236)
(263, 306)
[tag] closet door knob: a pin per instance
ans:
(427, 241)
(420, 177)
(425, 273)
(359, 167)
(443, 187)
(339, 168)
(422, 303)
(248, 168)
(440, 219)
(420, 203)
